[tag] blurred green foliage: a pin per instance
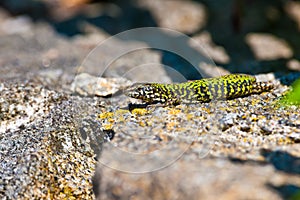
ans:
(296, 196)
(292, 97)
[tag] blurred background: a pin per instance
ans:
(241, 36)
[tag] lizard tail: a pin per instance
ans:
(259, 87)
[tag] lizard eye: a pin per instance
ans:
(147, 88)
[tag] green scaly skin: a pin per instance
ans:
(198, 91)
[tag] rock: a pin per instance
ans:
(44, 155)
(87, 85)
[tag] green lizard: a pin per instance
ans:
(198, 91)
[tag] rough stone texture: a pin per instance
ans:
(41, 151)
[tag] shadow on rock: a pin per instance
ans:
(288, 191)
(282, 161)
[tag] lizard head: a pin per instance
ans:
(143, 91)
(138, 90)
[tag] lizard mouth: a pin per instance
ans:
(133, 94)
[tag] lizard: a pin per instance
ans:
(198, 91)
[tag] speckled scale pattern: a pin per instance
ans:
(198, 91)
